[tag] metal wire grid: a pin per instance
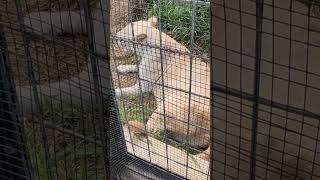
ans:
(62, 115)
(236, 160)
(265, 90)
(62, 123)
(144, 109)
(13, 154)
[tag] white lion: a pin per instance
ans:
(162, 71)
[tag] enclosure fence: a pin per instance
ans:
(265, 90)
(160, 89)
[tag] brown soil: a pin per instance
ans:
(52, 62)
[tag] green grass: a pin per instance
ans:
(176, 21)
(130, 109)
(163, 136)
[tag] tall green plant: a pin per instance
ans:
(176, 21)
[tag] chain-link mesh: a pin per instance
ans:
(74, 129)
(14, 162)
(120, 89)
(265, 89)
(162, 77)
(58, 90)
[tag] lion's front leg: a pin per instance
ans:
(155, 123)
(205, 155)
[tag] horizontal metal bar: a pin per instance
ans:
(154, 171)
(264, 101)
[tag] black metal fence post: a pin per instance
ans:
(103, 105)
(259, 23)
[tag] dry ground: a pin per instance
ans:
(52, 61)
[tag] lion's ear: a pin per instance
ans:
(140, 37)
(153, 21)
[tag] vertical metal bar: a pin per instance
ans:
(272, 81)
(189, 111)
(193, 23)
(103, 111)
(194, 5)
(38, 107)
(309, 36)
(162, 75)
(227, 75)
(285, 145)
(211, 91)
(258, 47)
(123, 102)
(141, 103)
(241, 88)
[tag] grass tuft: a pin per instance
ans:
(176, 21)
(130, 110)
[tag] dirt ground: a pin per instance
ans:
(52, 62)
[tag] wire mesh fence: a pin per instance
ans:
(57, 89)
(59, 54)
(160, 89)
(266, 90)
(13, 154)
(164, 106)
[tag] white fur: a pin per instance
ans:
(155, 65)
(127, 69)
(153, 61)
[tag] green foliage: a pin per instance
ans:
(164, 137)
(176, 21)
(129, 109)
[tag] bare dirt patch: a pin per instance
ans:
(52, 61)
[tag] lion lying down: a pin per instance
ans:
(183, 107)
(182, 89)
(155, 66)
(183, 103)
